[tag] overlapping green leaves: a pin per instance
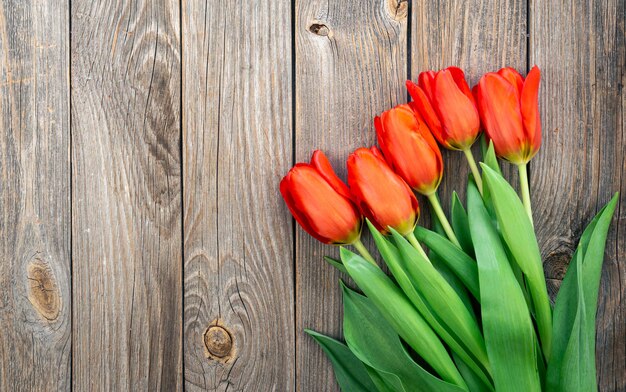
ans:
(519, 236)
(400, 313)
(572, 365)
(507, 324)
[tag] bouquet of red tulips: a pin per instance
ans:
(471, 312)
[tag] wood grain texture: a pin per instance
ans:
(238, 238)
(351, 63)
(477, 36)
(579, 47)
(126, 169)
(35, 279)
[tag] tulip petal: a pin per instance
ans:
(426, 81)
(285, 190)
(423, 106)
(501, 114)
(513, 77)
(530, 110)
(320, 162)
(456, 111)
(459, 78)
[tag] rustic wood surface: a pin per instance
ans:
(35, 226)
(126, 196)
(237, 144)
(144, 244)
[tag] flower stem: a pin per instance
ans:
(474, 168)
(523, 180)
(364, 252)
(413, 241)
(434, 202)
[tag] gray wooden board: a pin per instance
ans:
(238, 237)
(35, 276)
(126, 195)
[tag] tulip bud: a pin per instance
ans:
(446, 103)
(410, 148)
(383, 197)
(321, 203)
(509, 110)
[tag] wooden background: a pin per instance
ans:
(143, 243)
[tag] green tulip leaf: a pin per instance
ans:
(491, 160)
(519, 236)
(373, 340)
(336, 263)
(350, 373)
(572, 366)
(507, 324)
(463, 266)
(396, 265)
(400, 313)
(460, 225)
(442, 298)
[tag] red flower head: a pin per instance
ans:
(410, 148)
(383, 197)
(446, 103)
(321, 202)
(510, 113)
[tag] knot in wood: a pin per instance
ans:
(218, 341)
(319, 29)
(398, 9)
(43, 292)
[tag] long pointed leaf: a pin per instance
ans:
(373, 340)
(507, 325)
(397, 267)
(572, 366)
(350, 373)
(463, 266)
(519, 235)
(442, 298)
(401, 314)
(460, 225)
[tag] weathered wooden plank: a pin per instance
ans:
(579, 46)
(35, 278)
(477, 36)
(351, 64)
(126, 224)
(238, 238)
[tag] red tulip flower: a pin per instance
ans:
(446, 103)
(410, 148)
(383, 197)
(321, 202)
(509, 110)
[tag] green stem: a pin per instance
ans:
(474, 168)
(413, 241)
(364, 252)
(523, 180)
(434, 202)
